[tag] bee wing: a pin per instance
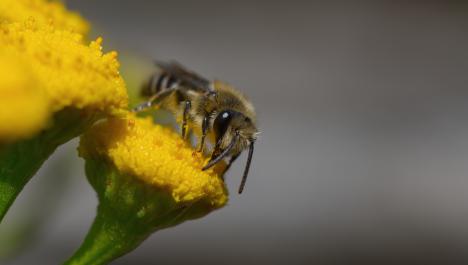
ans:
(185, 76)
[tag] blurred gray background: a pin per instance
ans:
(363, 156)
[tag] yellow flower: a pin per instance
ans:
(46, 62)
(53, 87)
(157, 156)
(71, 74)
(147, 178)
(24, 104)
(44, 12)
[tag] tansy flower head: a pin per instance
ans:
(43, 12)
(73, 74)
(147, 178)
(157, 156)
(53, 87)
(57, 71)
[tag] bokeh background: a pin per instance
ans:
(363, 156)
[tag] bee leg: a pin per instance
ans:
(143, 106)
(231, 161)
(204, 130)
(184, 118)
(219, 154)
(154, 100)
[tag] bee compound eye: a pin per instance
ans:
(221, 122)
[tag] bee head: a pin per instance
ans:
(234, 132)
(228, 123)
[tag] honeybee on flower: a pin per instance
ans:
(211, 109)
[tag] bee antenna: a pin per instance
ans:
(247, 167)
(225, 152)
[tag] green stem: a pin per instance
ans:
(112, 235)
(19, 161)
(107, 240)
(129, 211)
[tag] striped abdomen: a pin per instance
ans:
(157, 83)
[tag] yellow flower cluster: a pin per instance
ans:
(156, 155)
(43, 12)
(45, 40)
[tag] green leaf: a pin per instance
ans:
(19, 161)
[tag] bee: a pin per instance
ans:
(211, 109)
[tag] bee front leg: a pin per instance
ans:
(187, 107)
(231, 161)
(204, 130)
